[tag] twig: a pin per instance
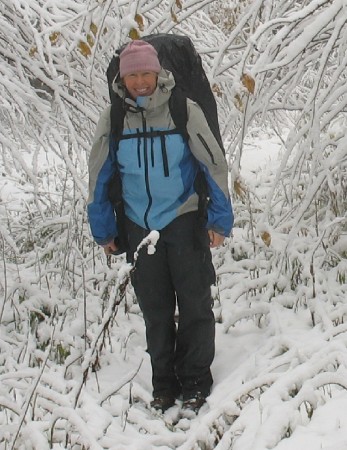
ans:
(33, 390)
(91, 362)
(5, 278)
(126, 381)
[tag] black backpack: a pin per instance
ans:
(177, 54)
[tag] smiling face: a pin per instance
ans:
(141, 83)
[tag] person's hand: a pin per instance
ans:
(216, 239)
(110, 248)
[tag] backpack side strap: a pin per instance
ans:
(178, 111)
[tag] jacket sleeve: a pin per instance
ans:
(212, 162)
(101, 215)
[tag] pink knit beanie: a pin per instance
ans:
(138, 56)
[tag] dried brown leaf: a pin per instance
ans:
(217, 90)
(53, 37)
(33, 51)
(173, 16)
(179, 4)
(248, 82)
(93, 28)
(90, 40)
(238, 102)
(239, 188)
(134, 34)
(139, 21)
(84, 49)
(266, 237)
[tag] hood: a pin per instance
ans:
(161, 94)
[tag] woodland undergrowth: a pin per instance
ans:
(68, 313)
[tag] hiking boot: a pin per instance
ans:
(162, 402)
(194, 404)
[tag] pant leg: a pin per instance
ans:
(192, 275)
(157, 299)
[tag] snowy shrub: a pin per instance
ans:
(74, 373)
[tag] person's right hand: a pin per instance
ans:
(110, 248)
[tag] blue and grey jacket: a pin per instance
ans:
(157, 173)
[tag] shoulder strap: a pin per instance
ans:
(115, 184)
(178, 111)
(117, 118)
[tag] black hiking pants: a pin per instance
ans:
(180, 273)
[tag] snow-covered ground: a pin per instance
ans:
(280, 374)
(265, 377)
(280, 302)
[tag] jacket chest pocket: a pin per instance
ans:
(159, 151)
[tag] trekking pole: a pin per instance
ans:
(91, 357)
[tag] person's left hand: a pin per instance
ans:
(216, 239)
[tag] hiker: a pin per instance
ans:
(157, 170)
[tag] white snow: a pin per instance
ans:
(74, 371)
(280, 382)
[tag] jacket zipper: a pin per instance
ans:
(145, 158)
(207, 148)
(138, 148)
